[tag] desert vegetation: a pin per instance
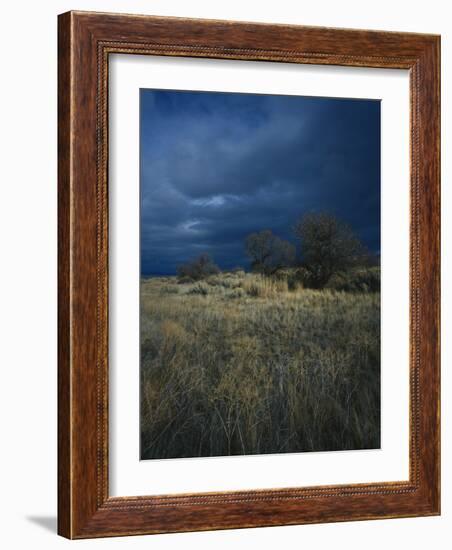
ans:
(285, 358)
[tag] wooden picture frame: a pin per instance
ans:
(85, 42)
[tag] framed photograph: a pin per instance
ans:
(248, 275)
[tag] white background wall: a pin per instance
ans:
(28, 125)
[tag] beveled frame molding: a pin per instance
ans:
(85, 42)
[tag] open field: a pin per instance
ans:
(243, 364)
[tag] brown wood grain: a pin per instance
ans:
(85, 41)
(64, 295)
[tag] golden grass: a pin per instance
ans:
(238, 364)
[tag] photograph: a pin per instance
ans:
(260, 274)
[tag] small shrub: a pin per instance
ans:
(200, 288)
(184, 279)
(357, 280)
(213, 280)
(221, 281)
(224, 280)
(236, 293)
(171, 289)
(201, 267)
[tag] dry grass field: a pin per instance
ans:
(244, 364)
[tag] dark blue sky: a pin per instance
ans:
(218, 166)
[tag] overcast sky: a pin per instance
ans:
(218, 166)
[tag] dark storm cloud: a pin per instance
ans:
(215, 167)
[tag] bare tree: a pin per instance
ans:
(328, 246)
(199, 268)
(268, 252)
